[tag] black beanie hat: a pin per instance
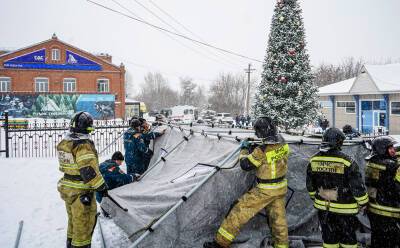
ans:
(117, 156)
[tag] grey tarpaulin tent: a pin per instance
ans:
(180, 203)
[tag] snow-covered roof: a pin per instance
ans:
(342, 87)
(374, 79)
(386, 77)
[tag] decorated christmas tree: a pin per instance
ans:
(286, 92)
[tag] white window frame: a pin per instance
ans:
(103, 85)
(355, 110)
(40, 87)
(55, 54)
(5, 84)
(391, 108)
(324, 104)
(69, 84)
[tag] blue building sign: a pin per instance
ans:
(36, 60)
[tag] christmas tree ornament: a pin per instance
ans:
(283, 79)
(292, 51)
(281, 18)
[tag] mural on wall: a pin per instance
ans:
(100, 106)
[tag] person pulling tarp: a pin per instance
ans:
(382, 177)
(335, 185)
(113, 175)
(136, 142)
(270, 160)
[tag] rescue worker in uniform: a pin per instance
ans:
(113, 175)
(383, 181)
(335, 185)
(78, 160)
(136, 149)
(136, 142)
(149, 135)
(270, 162)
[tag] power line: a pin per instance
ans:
(173, 33)
(177, 31)
(183, 26)
(174, 74)
(168, 35)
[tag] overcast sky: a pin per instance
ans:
(335, 29)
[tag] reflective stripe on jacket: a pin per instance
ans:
(335, 184)
(79, 157)
(270, 161)
(382, 179)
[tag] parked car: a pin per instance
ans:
(224, 118)
(208, 116)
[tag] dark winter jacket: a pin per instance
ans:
(137, 151)
(335, 184)
(113, 176)
(382, 178)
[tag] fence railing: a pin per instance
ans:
(39, 138)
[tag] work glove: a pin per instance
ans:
(135, 177)
(245, 144)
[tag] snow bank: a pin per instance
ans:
(28, 188)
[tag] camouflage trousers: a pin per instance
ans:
(273, 201)
(81, 218)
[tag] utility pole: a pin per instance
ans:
(247, 103)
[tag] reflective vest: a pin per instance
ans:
(78, 160)
(271, 165)
(335, 184)
(383, 182)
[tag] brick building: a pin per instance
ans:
(55, 79)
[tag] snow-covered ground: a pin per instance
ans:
(28, 190)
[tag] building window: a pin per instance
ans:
(350, 107)
(69, 84)
(103, 85)
(395, 108)
(41, 84)
(5, 84)
(325, 104)
(55, 54)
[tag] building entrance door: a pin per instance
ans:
(379, 121)
(373, 116)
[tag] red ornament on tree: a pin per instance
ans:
(292, 51)
(283, 79)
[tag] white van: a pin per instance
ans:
(184, 114)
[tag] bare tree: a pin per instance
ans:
(328, 73)
(228, 93)
(156, 93)
(187, 91)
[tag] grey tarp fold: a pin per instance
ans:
(197, 219)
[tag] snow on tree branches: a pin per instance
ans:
(287, 93)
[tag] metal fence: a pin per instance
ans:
(40, 138)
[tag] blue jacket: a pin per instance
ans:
(113, 176)
(149, 136)
(136, 151)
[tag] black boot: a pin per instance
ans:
(69, 245)
(211, 245)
